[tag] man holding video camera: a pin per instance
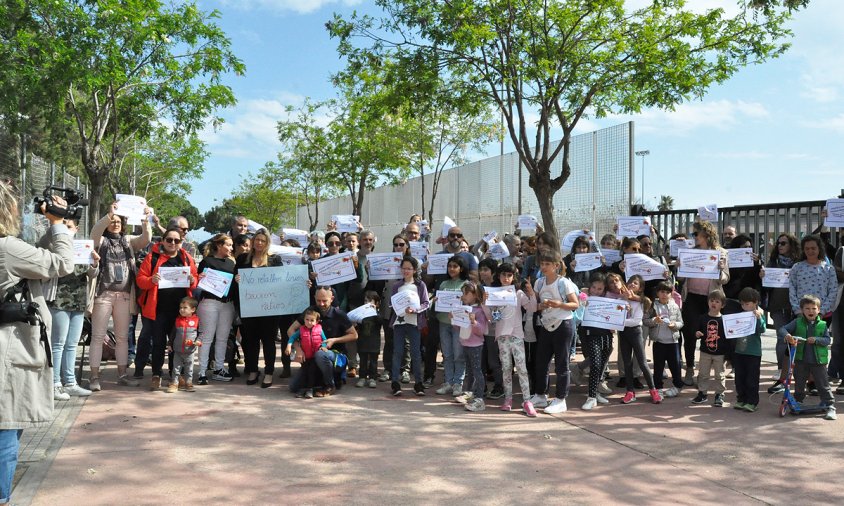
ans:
(26, 378)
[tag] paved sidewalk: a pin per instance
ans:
(246, 445)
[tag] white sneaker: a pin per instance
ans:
(361, 383)
(590, 403)
(601, 399)
(465, 398)
(731, 374)
(59, 394)
(94, 384)
(777, 375)
(556, 406)
(670, 392)
(830, 415)
(457, 390)
(604, 389)
(476, 405)
(539, 401)
(77, 391)
(576, 375)
(445, 389)
(405, 377)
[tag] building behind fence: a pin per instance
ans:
(490, 194)
(32, 177)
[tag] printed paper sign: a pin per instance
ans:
(527, 222)
(587, 261)
(499, 251)
(776, 278)
(633, 226)
(500, 295)
(699, 263)
(604, 313)
(346, 222)
(447, 300)
(740, 257)
(419, 250)
(254, 226)
(334, 269)
(288, 254)
(361, 313)
(132, 207)
(216, 282)
(384, 266)
(708, 213)
(403, 300)
(82, 249)
(643, 265)
(611, 256)
(297, 235)
(460, 317)
(568, 239)
(438, 264)
(174, 277)
(490, 237)
(674, 246)
(739, 325)
(834, 213)
(448, 223)
(272, 291)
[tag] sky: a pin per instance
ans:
(771, 134)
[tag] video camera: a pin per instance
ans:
(74, 200)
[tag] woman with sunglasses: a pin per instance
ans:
(784, 254)
(258, 331)
(114, 291)
(333, 242)
(160, 306)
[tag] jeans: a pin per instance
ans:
(401, 335)
(630, 345)
(493, 360)
(387, 355)
(454, 363)
(215, 324)
(664, 352)
(780, 318)
(324, 362)
(9, 444)
(476, 381)
(747, 378)
(67, 327)
(431, 343)
(554, 344)
(144, 347)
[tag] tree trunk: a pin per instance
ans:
(96, 185)
(540, 181)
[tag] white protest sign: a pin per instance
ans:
(384, 266)
(500, 295)
(334, 269)
(419, 250)
(568, 239)
(438, 264)
(699, 263)
(587, 261)
(346, 222)
(174, 277)
(499, 251)
(254, 226)
(490, 237)
(460, 317)
(448, 223)
(216, 282)
(611, 256)
(834, 213)
(776, 278)
(708, 212)
(740, 257)
(130, 206)
(674, 246)
(361, 313)
(448, 300)
(739, 325)
(633, 226)
(527, 222)
(82, 249)
(403, 300)
(643, 265)
(297, 235)
(604, 313)
(272, 291)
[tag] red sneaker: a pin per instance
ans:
(629, 397)
(655, 397)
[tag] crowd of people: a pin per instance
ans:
(338, 339)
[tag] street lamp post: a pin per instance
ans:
(643, 154)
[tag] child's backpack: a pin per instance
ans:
(341, 361)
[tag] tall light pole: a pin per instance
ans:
(643, 154)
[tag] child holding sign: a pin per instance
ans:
(311, 339)
(747, 356)
(454, 365)
(408, 323)
(597, 344)
(665, 321)
(472, 340)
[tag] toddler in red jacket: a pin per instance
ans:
(183, 345)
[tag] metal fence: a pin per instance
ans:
(762, 223)
(490, 194)
(32, 177)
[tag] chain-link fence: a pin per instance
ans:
(32, 174)
(490, 194)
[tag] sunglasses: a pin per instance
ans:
(456, 236)
(694, 234)
(399, 245)
(172, 240)
(782, 243)
(332, 243)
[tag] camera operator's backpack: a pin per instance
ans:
(18, 308)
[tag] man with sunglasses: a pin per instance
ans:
(453, 244)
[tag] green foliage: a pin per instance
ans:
(549, 64)
(218, 219)
(266, 200)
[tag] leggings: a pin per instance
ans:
(512, 349)
(694, 307)
(257, 332)
(631, 344)
(598, 349)
(530, 363)
(368, 365)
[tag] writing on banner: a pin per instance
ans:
(448, 300)
(527, 222)
(587, 262)
(834, 213)
(334, 269)
(674, 246)
(567, 242)
(500, 295)
(346, 222)
(499, 251)
(438, 264)
(216, 282)
(633, 226)
(643, 265)
(739, 324)
(419, 250)
(699, 263)
(174, 277)
(776, 278)
(82, 249)
(460, 317)
(604, 313)
(611, 256)
(740, 257)
(708, 212)
(273, 291)
(384, 266)
(132, 207)
(404, 300)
